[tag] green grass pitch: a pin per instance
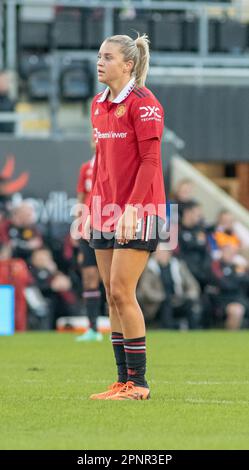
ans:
(199, 387)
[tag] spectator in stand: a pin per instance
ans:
(228, 287)
(183, 195)
(15, 272)
(193, 247)
(21, 232)
(168, 286)
(55, 286)
(224, 233)
(228, 231)
(6, 104)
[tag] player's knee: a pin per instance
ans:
(110, 301)
(109, 297)
(118, 293)
(91, 284)
(235, 310)
(90, 277)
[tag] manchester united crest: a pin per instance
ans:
(120, 111)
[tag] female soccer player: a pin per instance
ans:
(127, 200)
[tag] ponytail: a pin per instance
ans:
(142, 66)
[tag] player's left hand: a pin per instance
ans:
(126, 227)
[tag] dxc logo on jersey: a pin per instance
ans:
(150, 113)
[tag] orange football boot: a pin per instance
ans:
(112, 390)
(130, 391)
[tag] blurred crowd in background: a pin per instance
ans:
(203, 283)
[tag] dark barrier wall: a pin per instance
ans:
(52, 169)
(53, 165)
(213, 120)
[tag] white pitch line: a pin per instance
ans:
(153, 382)
(209, 382)
(216, 402)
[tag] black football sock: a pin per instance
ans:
(118, 348)
(92, 303)
(135, 351)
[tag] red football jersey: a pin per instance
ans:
(84, 184)
(119, 127)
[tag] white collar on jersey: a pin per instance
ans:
(122, 95)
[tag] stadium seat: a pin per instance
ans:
(34, 35)
(93, 28)
(190, 33)
(233, 36)
(29, 62)
(39, 84)
(213, 35)
(76, 83)
(67, 32)
(167, 32)
(130, 26)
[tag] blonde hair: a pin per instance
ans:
(136, 50)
